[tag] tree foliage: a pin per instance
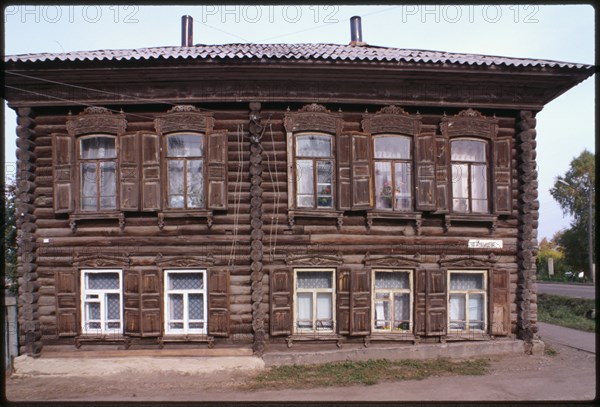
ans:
(10, 238)
(572, 191)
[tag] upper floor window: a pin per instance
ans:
(393, 172)
(185, 171)
(97, 162)
(469, 176)
(314, 171)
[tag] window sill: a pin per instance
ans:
(470, 218)
(77, 216)
(315, 213)
(191, 337)
(102, 338)
(185, 213)
(379, 214)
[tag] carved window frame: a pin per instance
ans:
(85, 292)
(80, 161)
(315, 292)
(391, 292)
(185, 159)
(470, 169)
(204, 291)
(485, 291)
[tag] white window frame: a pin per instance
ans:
(315, 160)
(392, 291)
(483, 291)
(185, 330)
(85, 292)
(314, 291)
(392, 162)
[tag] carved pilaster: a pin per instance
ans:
(29, 325)
(256, 252)
(527, 232)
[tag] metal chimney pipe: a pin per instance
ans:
(187, 31)
(355, 30)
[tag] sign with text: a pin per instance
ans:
(484, 244)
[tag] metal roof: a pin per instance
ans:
(325, 52)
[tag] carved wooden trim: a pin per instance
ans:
(392, 260)
(185, 261)
(313, 117)
(96, 120)
(314, 260)
(470, 261)
(391, 119)
(184, 118)
(100, 260)
(469, 122)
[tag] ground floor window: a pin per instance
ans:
(101, 293)
(314, 299)
(185, 301)
(467, 300)
(392, 301)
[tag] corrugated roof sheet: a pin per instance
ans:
(326, 52)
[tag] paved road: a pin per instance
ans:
(568, 290)
(565, 336)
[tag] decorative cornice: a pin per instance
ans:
(468, 261)
(184, 118)
(314, 107)
(187, 261)
(314, 260)
(469, 122)
(96, 119)
(391, 119)
(392, 260)
(313, 117)
(101, 260)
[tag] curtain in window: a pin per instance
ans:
(391, 280)
(304, 310)
(89, 190)
(401, 307)
(98, 148)
(314, 279)
(108, 185)
(176, 184)
(324, 310)
(468, 150)
(392, 147)
(466, 281)
(479, 188)
(313, 146)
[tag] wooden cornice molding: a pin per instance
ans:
(100, 260)
(314, 260)
(185, 261)
(392, 260)
(469, 122)
(391, 119)
(471, 261)
(184, 118)
(96, 119)
(313, 117)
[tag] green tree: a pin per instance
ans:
(572, 192)
(10, 238)
(550, 249)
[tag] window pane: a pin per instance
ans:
(176, 325)
(401, 309)
(313, 146)
(391, 280)
(108, 185)
(195, 306)
(304, 310)
(103, 281)
(176, 306)
(114, 325)
(176, 183)
(324, 310)
(93, 310)
(324, 184)
(468, 150)
(185, 281)
(403, 182)
(382, 314)
(97, 147)
(305, 184)
(392, 147)
(195, 184)
(457, 307)
(479, 188)
(466, 281)
(89, 188)
(460, 187)
(476, 307)
(314, 279)
(93, 325)
(113, 307)
(185, 145)
(383, 184)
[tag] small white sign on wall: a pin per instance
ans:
(485, 244)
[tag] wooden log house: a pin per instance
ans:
(245, 194)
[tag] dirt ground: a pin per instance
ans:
(569, 375)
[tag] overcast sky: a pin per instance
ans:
(565, 33)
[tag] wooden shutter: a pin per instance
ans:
(436, 303)
(131, 302)
(502, 175)
(420, 302)
(281, 302)
(360, 302)
(150, 185)
(216, 174)
(361, 174)
(63, 158)
(129, 172)
(344, 158)
(499, 306)
(150, 303)
(218, 303)
(343, 301)
(67, 304)
(442, 177)
(425, 173)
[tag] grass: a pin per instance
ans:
(362, 372)
(566, 311)
(550, 351)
